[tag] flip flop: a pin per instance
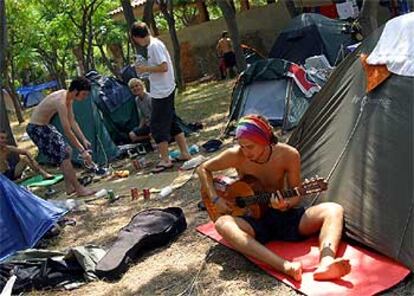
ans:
(85, 180)
(176, 160)
(161, 167)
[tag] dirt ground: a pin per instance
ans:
(191, 265)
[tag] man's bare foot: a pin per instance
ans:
(85, 192)
(335, 269)
(47, 176)
(294, 270)
(70, 190)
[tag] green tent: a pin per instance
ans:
(92, 125)
(117, 105)
(119, 121)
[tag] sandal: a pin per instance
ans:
(161, 167)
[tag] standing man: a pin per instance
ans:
(225, 50)
(162, 90)
(143, 103)
(259, 155)
(51, 142)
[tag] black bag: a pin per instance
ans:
(147, 230)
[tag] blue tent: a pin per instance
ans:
(24, 218)
(32, 94)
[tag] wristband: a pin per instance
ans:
(215, 199)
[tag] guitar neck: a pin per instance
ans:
(264, 198)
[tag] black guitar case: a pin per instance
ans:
(146, 231)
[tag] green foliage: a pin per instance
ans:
(42, 34)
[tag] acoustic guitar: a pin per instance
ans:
(241, 197)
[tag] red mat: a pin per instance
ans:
(371, 273)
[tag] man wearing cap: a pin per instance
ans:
(258, 154)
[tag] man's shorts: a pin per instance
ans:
(164, 123)
(142, 131)
(229, 59)
(49, 141)
(277, 225)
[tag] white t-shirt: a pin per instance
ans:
(161, 84)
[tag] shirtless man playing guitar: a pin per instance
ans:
(258, 154)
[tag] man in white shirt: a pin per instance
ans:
(162, 90)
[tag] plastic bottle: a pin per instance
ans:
(101, 193)
(165, 191)
(193, 162)
(193, 149)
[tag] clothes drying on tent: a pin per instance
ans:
(276, 89)
(362, 143)
(32, 94)
(24, 218)
(92, 125)
(311, 34)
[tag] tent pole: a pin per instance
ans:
(287, 105)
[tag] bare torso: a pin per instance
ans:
(224, 46)
(49, 106)
(271, 175)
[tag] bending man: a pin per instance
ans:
(51, 142)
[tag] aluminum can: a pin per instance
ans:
(111, 195)
(136, 164)
(134, 193)
(146, 193)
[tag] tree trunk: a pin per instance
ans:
(368, 16)
(117, 54)
(202, 10)
(166, 8)
(114, 71)
(3, 66)
(78, 52)
(230, 17)
(148, 17)
(244, 5)
(128, 12)
(290, 5)
(4, 119)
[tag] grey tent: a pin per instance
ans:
(312, 34)
(363, 143)
(268, 89)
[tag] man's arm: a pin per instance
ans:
(67, 127)
(18, 151)
(225, 160)
(75, 127)
(161, 68)
(293, 174)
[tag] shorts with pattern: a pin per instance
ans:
(277, 225)
(49, 141)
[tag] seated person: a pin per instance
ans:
(15, 172)
(143, 103)
(258, 154)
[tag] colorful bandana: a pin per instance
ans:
(255, 129)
